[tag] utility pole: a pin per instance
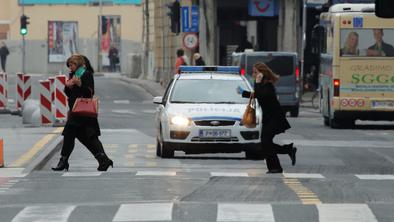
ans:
(23, 45)
(147, 45)
(99, 60)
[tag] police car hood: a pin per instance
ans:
(208, 111)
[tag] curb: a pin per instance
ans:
(48, 152)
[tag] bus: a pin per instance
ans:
(356, 70)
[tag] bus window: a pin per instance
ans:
(367, 42)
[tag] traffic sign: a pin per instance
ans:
(190, 40)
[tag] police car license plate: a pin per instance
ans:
(383, 104)
(215, 133)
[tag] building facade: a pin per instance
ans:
(224, 26)
(58, 29)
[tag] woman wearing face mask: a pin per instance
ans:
(85, 129)
(274, 118)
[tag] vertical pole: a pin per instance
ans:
(100, 65)
(23, 45)
(303, 43)
(146, 57)
(1, 153)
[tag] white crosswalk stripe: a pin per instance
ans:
(156, 173)
(12, 172)
(44, 214)
(303, 175)
(338, 143)
(144, 212)
(229, 174)
(81, 174)
(374, 177)
(244, 212)
(345, 213)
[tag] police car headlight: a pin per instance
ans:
(180, 121)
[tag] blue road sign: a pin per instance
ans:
(185, 19)
(195, 18)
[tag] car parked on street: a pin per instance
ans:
(283, 64)
(201, 112)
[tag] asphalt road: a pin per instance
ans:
(340, 175)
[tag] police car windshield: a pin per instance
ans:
(208, 91)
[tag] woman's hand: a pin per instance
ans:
(259, 77)
(70, 83)
(77, 81)
(240, 90)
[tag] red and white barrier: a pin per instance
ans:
(3, 91)
(45, 102)
(52, 80)
(60, 99)
(19, 91)
(26, 87)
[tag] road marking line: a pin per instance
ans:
(375, 177)
(129, 156)
(244, 212)
(122, 101)
(156, 173)
(144, 212)
(36, 148)
(151, 164)
(305, 195)
(345, 213)
(229, 174)
(44, 213)
(12, 172)
(151, 146)
(303, 175)
(133, 146)
(340, 144)
(81, 174)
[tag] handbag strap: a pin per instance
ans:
(251, 98)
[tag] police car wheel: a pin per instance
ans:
(166, 151)
(158, 148)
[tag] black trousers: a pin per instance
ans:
(270, 150)
(92, 143)
(3, 60)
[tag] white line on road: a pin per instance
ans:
(245, 212)
(229, 174)
(44, 213)
(345, 213)
(81, 174)
(122, 101)
(339, 143)
(375, 177)
(303, 175)
(12, 172)
(156, 173)
(144, 212)
(123, 111)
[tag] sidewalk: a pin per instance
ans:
(27, 148)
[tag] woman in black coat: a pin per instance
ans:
(274, 118)
(85, 129)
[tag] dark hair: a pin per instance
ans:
(269, 76)
(88, 65)
(180, 52)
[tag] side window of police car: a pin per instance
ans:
(165, 97)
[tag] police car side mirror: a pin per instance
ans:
(158, 100)
(384, 8)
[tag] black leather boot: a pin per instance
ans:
(292, 153)
(62, 165)
(104, 162)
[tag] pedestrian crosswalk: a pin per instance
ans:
(196, 211)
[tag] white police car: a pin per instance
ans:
(201, 112)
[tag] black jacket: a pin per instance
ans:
(274, 118)
(74, 124)
(386, 48)
(4, 52)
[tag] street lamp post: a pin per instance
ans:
(99, 60)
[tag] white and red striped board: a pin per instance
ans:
(19, 91)
(3, 91)
(52, 80)
(45, 103)
(26, 87)
(60, 99)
